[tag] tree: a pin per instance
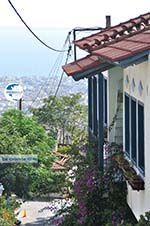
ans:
(64, 116)
(20, 134)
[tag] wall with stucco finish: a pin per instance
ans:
(115, 82)
(134, 76)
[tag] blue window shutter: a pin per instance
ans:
(133, 131)
(141, 159)
(127, 126)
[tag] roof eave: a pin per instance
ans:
(138, 58)
(92, 71)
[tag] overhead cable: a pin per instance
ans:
(61, 78)
(68, 54)
(54, 70)
(46, 45)
(59, 84)
(38, 97)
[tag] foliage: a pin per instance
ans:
(98, 198)
(7, 217)
(20, 134)
(65, 149)
(144, 220)
(63, 116)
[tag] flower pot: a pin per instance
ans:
(129, 173)
(136, 183)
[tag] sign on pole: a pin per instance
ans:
(13, 92)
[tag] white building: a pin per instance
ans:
(123, 50)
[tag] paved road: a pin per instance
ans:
(38, 213)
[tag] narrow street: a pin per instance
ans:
(35, 213)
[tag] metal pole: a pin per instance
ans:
(90, 106)
(75, 51)
(95, 106)
(82, 29)
(20, 104)
(101, 122)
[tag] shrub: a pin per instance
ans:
(98, 198)
(7, 216)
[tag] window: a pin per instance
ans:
(134, 131)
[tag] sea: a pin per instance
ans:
(36, 68)
(23, 55)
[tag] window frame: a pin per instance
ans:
(132, 141)
(128, 134)
(129, 153)
(141, 169)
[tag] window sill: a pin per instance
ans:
(134, 180)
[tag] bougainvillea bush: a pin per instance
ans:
(98, 198)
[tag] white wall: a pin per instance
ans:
(140, 201)
(115, 75)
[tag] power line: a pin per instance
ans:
(61, 78)
(43, 87)
(57, 68)
(59, 84)
(49, 47)
(54, 69)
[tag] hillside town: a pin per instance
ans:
(36, 88)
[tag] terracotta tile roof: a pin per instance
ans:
(112, 45)
(125, 48)
(114, 33)
(81, 65)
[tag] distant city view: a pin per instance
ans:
(38, 69)
(36, 88)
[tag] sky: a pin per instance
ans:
(70, 13)
(51, 20)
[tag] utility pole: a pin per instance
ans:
(74, 38)
(93, 92)
(108, 24)
(82, 29)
